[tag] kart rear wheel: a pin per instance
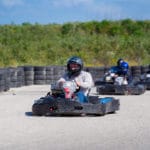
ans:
(36, 110)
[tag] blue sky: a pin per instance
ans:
(62, 11)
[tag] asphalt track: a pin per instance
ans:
(127, 129)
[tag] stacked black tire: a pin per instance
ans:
(145, 76)
(2, 80)
(28, 75)
(49, 75)
(20, 77)
(136, 72)
(53, 73)
(97, 72)
(145, 69)
(12, 77)
(39, 75)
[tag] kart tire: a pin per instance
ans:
(36, 110)
(40, 109)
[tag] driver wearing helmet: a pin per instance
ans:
(123, 69)
(119, 61)
(82, 79)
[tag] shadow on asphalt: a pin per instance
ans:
(28, 114)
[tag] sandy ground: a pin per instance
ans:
(127, 129)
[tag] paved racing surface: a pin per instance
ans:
(127, 129)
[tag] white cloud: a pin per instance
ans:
(10, 3)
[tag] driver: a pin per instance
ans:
(123, 70)
(120, 71)
(123, 67)
(82, 79)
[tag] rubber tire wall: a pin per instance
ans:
(11, 77)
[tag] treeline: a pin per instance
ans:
(98, 43)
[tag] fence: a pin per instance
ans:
(11, 77)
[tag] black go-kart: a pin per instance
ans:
(55, 103)
(112, 85)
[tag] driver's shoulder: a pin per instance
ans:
(85, 73)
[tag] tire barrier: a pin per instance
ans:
(49, 75)
(136, 72)
(97, 72)
(58, 71)
(39, 75)
(28, 75)
(106, 69)
(20, 77)
(2, 81)
(6, 79)
(12, 77)
(53, 73)
(144, 69)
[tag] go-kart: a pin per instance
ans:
(118, 85)
(61, 102)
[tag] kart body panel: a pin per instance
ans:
(50, 106)
(133, 88)
(107, 88)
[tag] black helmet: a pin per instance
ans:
(75, 60)
(119, 62)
